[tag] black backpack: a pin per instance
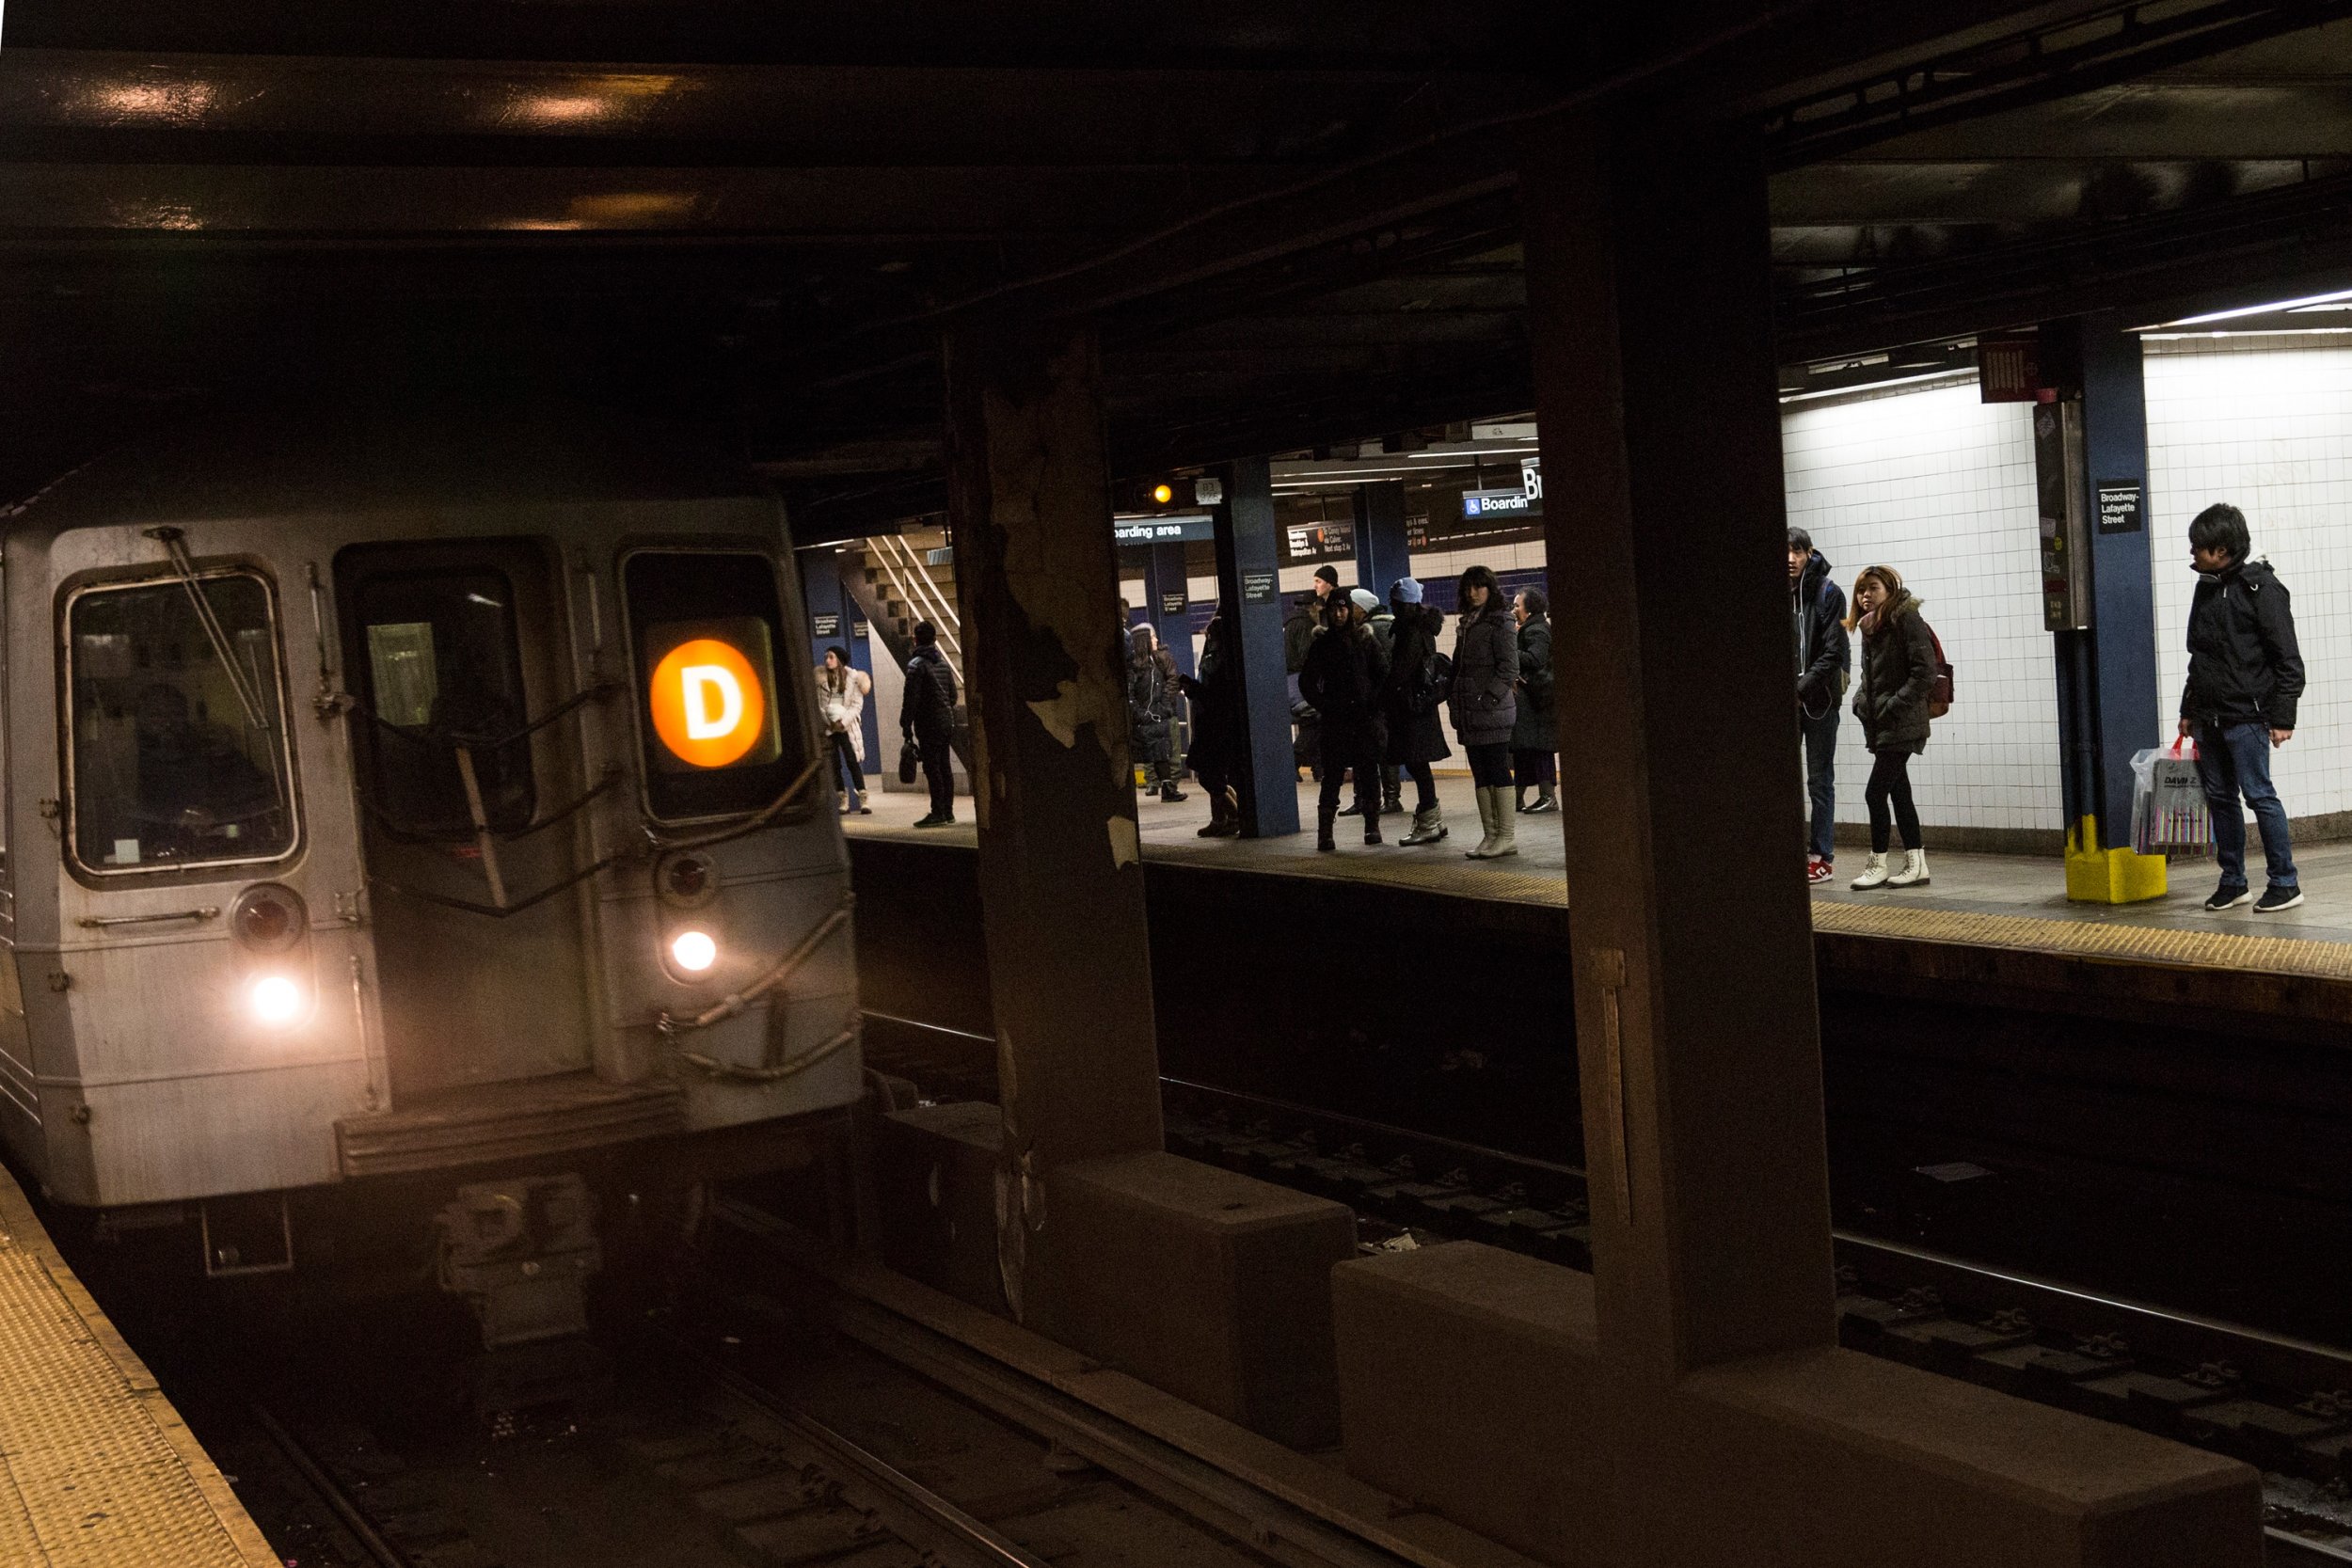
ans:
(1426, 688)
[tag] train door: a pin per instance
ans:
(455, 652)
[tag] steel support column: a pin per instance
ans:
(1061, 883)
(1170, 590)
(1382, 556)
(1698, 1045)
(1250, 585)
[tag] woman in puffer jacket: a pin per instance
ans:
(1898, 670)
(1484, 704)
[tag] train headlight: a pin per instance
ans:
(276, 1000)
(693, 951)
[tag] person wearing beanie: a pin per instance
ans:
(1375, 615)
(1345, 671)
(1410, 696)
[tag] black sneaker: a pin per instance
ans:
(2229, 896)
(2275, 898)
(933, 821)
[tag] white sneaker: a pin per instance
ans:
(1914, 871)
(1873, 875)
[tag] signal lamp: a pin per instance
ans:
(1163, 494)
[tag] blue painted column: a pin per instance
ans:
(829, 602)
(1170, 590)
(2123, 594)
(862, 657)
(1382, 555)
(1249, 582)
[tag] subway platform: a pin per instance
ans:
(2013, 904)
(97, 1470)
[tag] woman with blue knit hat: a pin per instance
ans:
(1409, 699)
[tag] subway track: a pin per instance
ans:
(707, 1420)
(2280, 1403)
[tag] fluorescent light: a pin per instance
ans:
(1955, 377)
(2277, 304)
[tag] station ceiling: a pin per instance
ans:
(1296, 220)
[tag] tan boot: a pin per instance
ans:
(1487, 820)
(1507, 828)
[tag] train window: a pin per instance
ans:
(178, 753)
(705, 626)
(444, 671)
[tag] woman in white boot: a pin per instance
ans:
(841, 689)
(1485, 706)
(1897, 677)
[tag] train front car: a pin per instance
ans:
(446, 844)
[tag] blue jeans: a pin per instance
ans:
(2234, 760)
(1820, 779)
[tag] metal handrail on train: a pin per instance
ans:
(778, 972)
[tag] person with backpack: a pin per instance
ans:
(841, 689)
(1152, 709)
(1345, 671)
(1485, 701)
(1894, 698)
(927, 719)
(1408, 705)
(2245, 678)
(1534, 738)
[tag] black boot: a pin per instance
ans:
(1518, 801)
(1169, 793)
(1371, 828)
(1391, 802)
(1324, 818)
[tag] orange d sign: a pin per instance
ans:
(707, 705)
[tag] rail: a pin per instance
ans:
(916, 586)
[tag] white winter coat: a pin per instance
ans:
(843, 708)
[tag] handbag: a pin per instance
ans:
(2170, 813)
(907, 757)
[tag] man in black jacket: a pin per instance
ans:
(1818, 607)
(2245, 676)
(927, 718)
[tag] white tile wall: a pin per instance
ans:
(1940, 486)
(2265, 424)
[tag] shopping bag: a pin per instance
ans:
(2168, 811)
(906, 762)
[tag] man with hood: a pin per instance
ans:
(2245, 677)
(1823, 659)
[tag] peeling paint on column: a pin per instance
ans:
(1126, 843)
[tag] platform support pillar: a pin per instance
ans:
(828, 595)
(1724, 1415)
(1169, 588)
(1698, 1039)
(1250, 585)
(2108, 705)
(1382, 553)
(1062, 881)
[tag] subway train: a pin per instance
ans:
(418, 809)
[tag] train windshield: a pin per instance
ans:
(720, 735)
(179, 755)
(444, 679)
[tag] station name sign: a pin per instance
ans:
(1162, 531)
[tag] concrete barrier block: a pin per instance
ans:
(1213, 1286)
(1834, 1459)
(935, 1185)
(1467, 1382)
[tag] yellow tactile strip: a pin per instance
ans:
(2153, 944)
(2115, 941)
(96, 1468)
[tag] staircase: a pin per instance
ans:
(898, 586)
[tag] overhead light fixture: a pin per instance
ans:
(2276, 306)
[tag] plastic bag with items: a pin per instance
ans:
(2168, 811)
